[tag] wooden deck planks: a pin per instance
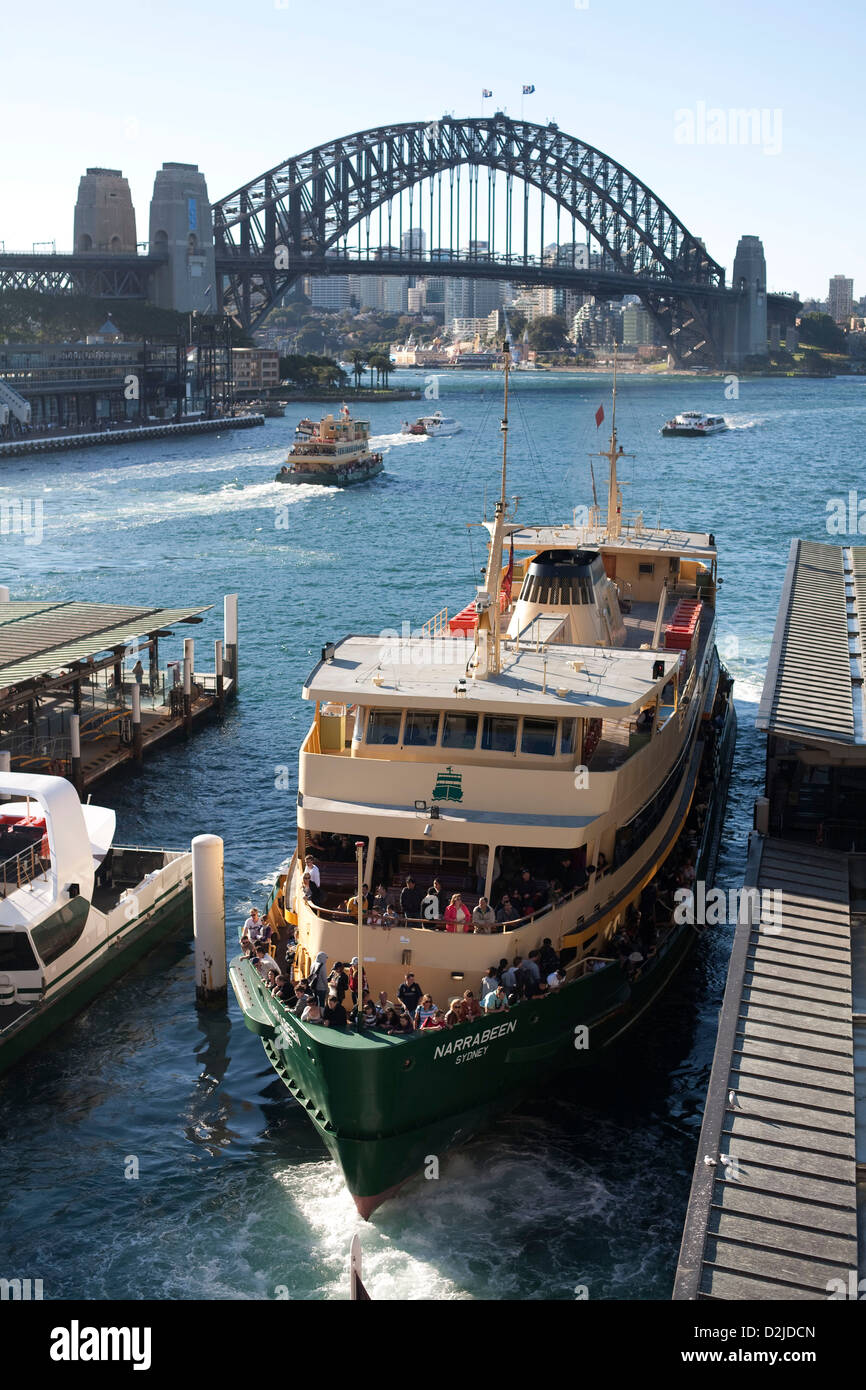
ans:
(779, 1219)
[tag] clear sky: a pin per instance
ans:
(237, 86)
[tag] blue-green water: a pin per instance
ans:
(235, 1196)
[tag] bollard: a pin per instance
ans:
(137, 745)
(5, 766)
(230, 632)
(75, 753)
(209, 920)
(188, 651)
(4, 593)
(218, 670)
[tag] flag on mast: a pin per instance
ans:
(485, 93)
(528, 89)
(599, 416)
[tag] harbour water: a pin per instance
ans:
(584, 1187)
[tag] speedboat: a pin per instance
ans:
(695, 424)
(432, 425)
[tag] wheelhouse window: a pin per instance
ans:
(459, 730)
(383, 726)
(499, 734)
(422, 728)
(568, 736)
(539, 737)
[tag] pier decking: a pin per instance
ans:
(778, 1219)
(773, 1209)
(133, 435)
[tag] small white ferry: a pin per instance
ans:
(432, 425)
(76, 910)
(695, 423)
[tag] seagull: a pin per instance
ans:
(732, 1097)
(725, 1160)
(710, 1162)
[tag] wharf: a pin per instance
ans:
(72, 702)
(133, 435)
(773, 1208)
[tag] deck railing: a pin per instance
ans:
(21, 868)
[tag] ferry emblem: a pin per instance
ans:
(449, 786)
(286, 1036)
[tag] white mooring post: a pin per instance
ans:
(75, 752)
(218, 672)
(188, 659)
(136, 722)
(230, 634)
(5, 766)
(4, 593)
(209, 919)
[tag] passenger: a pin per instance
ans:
(410, 899)
(490, 982)
(600, 865)
(548, 960)
(556, 978)
(312, 1012)
(318, 977)
(471, 1006)
(338, 981)
(405, 1024)
(506, 911)
(384, 1004)
(284, 990)
(458, 918)
(309, 890)
(352, 903)
(305, 996)
(252, 927)
(495, 1000)
(409, 994)
(369, 1015)
(333, 1014)
(264, 962)
(531, 968)
(436, 1021)
(390, 917)
(426, 1009)
(456, 1014)
(431, 903)
(483, 918)
(353, 980)
(511, 976)
(312, 869)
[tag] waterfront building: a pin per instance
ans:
(255, 369)
(841, 298)
(71, 385)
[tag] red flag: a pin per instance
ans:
(599, 416)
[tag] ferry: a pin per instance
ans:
(333, 452)
(695, 423)
(76, 910)
(432, 425)
(561, 747)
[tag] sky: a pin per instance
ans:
(237, 86)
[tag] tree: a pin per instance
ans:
(821, 331)
(358, 360)
(548, 334)
(380, 362)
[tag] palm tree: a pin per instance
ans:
(382, 364)
(359, 362)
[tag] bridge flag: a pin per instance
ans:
(528, 89)
(485, 93)
(599, 416)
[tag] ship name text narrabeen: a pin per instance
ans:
(460, 1045)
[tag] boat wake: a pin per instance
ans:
(737, 422)
(394, 441)
(137, 512)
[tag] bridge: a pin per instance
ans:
(479, 198)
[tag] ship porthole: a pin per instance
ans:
(408, 1063)
(310, 1055)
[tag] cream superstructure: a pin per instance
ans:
(556, 716)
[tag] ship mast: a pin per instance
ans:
(495, 562)
(613, 525)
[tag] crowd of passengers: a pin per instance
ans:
(517, 893)
(331, 997)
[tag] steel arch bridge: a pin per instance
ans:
(314, 214)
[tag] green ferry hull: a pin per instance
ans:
(332, 477)
(387, 1106)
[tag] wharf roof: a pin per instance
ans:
(43, 639)
(425, 673)
(813, 689)
(693, 544)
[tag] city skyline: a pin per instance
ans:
(680, 130)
